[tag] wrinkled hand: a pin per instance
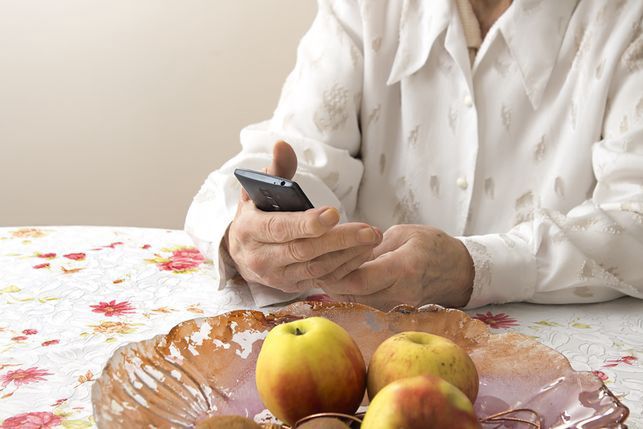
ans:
(295, 251)
(415, 265)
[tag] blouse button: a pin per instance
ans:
(468, 101)
(462, 183)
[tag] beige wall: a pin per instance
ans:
(113, 112)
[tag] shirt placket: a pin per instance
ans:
(468, 136)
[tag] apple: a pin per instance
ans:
(227, 422)
(324, 423)
(420, 402)
(310, 366)
(410, 353)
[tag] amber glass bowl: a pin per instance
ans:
(205, 367)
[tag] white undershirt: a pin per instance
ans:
(471, 27)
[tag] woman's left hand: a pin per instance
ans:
(415, 265)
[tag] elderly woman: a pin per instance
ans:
(498, 145)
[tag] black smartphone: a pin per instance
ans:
(272, 193)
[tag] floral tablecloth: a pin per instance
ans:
(69, 296)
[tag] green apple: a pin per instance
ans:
(310, 366)
(408, 354)
(420, 402)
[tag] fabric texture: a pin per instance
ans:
(533, 155)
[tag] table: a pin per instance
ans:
(69, 296)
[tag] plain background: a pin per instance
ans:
(114, 112)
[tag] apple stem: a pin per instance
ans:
(298, 332)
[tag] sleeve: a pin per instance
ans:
(593, 253)
(318, 114)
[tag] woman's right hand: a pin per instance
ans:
(295, 251)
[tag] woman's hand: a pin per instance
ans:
(415, 265)
(295, 251)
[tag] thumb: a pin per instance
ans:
(284, 161)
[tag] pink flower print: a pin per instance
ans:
(30, 332)
(75, 256)
(40, 266)
(188, 253)
(113, 308)
(33, 420)
(497, 321)
(601, 375)
(110, 246)
(49, 255)
(627, 360)
(58, 402)
(24, 376)
(50, 343)
(182, 260)
(178, 265)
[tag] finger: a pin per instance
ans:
(347, 268)
(244, 195)
(371, 277)
(341, 237)
(392, 240)
(284, 161)
(282, 227)
(326, 264)
(284, 164)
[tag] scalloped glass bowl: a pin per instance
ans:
(205, 367)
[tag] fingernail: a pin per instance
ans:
(366, 235)
(329, 217)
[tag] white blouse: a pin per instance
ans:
(532, 156)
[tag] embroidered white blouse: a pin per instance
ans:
(532, 155)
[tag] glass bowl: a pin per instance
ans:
(205, 367)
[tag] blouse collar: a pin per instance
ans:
(532, 29)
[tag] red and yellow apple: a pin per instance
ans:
(410, 353)
(420, 402)
(310, 366)
(227, 422)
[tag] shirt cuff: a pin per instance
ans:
(206, 224)
(221, 262)
(226, 266)
(505, 269)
